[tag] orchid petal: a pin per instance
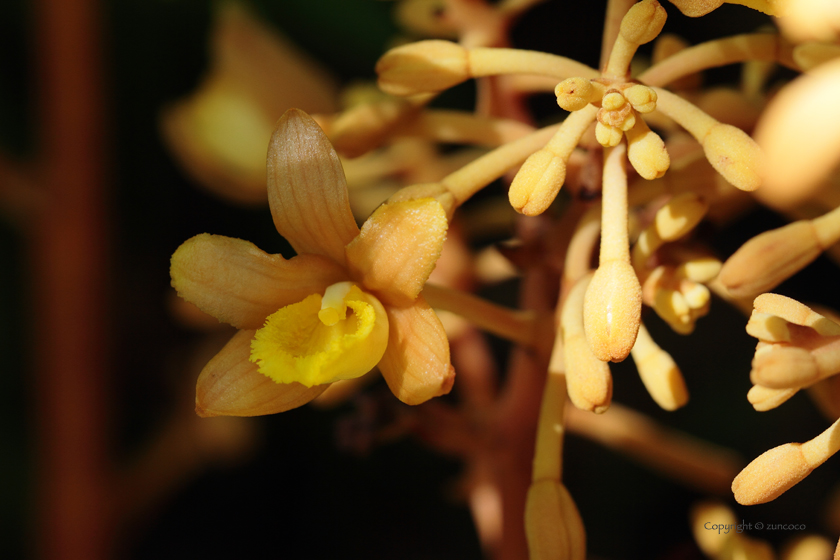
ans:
(416, 363)
(237, 283)
(398, 247)
(230, 385)
(307, 191)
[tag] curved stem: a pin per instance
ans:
(476, 175)
(517, 326)
(720, 52)
(490, 62)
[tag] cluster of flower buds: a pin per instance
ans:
(797, 348)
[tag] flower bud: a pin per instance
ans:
(573, 94)
(768, 259)
(612, 310)
(770, 475)
(734, 155)
(643, 22)
(642, 98)
(553, 525)
(537, 183)
(608, 136)
(646, 151)
(764, 398)
(659, 373)
(422, 67)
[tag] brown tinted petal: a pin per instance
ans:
(416, 364)
(230, 385)
(237, 283)
(307, 191)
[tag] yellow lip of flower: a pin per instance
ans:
(319, 340)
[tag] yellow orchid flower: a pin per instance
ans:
(350, 299)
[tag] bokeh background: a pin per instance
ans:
(296, 485)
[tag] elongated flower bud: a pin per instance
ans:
(422, 67)
(646, 151)
(552, 523)
(734, 155)
(643, 22)
(612, 310)
(775, 471)
(659, 372)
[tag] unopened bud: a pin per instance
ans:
(659, 373)
(642, 98)
(643, 22)
(679, 216)
(553, 526)
(573, 94)
(608, 136)
(612, 310)
(734, 155)
(613, 101)
(588, 379)
(422, 67)
(646, 151)
(537, 183)
(770, 475)
(764, 398)
(768, 259)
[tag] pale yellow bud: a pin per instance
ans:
(659, 372)
(679, 216)
(696, 295)
(711, 513)
(613, 101)
(642, 98)
(734, 155)
(573, 94)
(553, 526)
(588, 379)
(423, 67)
(671, 306)
(764, 398)
(703, 269)
(768, 259)
(646, 151)
(537, 183)
(807, 547)
(608, 136)
(612, 310)
(643, 22)
(770, 475)
(797, 313)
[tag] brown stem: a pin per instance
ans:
(69, 272)
(517, 415)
